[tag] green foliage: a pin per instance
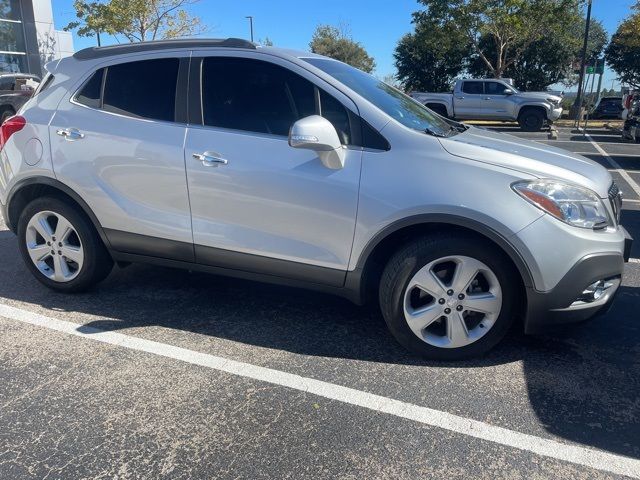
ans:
(92, 17)
(547, 60)
(511, 25)
(337, 43)
(432, 57)
(623, 53)
(136, 20)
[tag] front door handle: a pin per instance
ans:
(487, 98)
(210, 159)
(460, 98)
(70, 133)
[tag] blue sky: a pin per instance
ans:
(377, 24)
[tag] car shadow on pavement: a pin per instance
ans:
(582, 384)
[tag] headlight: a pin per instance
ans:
(571, 204)
(554, 101)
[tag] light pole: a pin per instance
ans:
(578, 103)
(250, 25)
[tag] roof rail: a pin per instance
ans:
(100, 52)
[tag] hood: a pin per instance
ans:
(535, 159)
(539, 96)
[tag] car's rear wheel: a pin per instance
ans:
(531, 120)
(61, 247)
(8, 112)
(448, 297)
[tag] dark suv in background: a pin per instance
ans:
(608, 107)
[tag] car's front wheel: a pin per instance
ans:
(60, 246)
(448, 297)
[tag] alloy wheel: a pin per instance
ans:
(452, 302)
(54, 246)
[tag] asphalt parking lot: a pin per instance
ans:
(160, 373)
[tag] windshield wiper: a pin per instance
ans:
(434, 133)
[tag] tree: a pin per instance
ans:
(142, 20)
(92, 19)
(548, 60)
(136, 20)
(432, 57)
(511, 25)
(623, 53)
(337, 43)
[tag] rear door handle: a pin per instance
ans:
(70, 133)
(210, 159)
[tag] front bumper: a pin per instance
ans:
(554, 114)
(561, 305)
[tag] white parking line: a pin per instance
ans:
(616, 165)
(634, 260)
(587, 457)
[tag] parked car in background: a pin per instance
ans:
(494, 99)
(290, 167)
(15, 90)
(607, 108)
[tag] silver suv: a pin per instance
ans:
(289, 167)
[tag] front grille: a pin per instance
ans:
(615, 197)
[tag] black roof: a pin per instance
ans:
(100, 52)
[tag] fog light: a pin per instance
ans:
(595, 291)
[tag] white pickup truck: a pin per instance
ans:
(494, 99)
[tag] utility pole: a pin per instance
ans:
(578, 103)
(250, 25)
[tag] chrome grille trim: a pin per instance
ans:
(615, 197)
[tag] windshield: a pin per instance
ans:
(388, 99)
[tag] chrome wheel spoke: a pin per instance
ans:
(457, 330)
(75, 254)
(420, 319)
(467, 270)
(63, 229)
(427, 281)
(41, 225)
(486, 303)
(60, 269)
(38, 252)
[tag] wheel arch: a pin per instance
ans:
(382, 246)
(533, 106)
(28, 189)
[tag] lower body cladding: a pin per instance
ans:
(586, 291)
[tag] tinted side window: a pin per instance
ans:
(7, 83)
(145, 89)
(89, 94)
(494, 88)
(253, 95)
(472, 88)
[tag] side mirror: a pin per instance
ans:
(508, 91)
(318, 134)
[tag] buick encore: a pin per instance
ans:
(293, 168)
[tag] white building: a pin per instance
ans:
(28, 38)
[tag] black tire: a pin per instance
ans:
(439, 109)
(97, 263)
(8, 112)
(404, 264)
(531, 120)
